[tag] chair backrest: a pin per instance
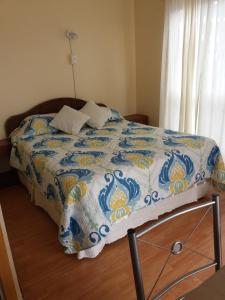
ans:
(176, 248)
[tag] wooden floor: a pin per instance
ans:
(45, 272)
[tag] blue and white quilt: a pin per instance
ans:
(101, 176)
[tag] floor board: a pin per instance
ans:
(45, 272)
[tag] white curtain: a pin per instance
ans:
(193, 68)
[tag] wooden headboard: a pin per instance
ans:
(46, 107)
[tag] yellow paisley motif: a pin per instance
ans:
(74, 244)
(220, 163)
(140, 161)
(178, 181)
(95, 144)
(177, 173)
(87, 160)
(219, 171)
(82, 186)
(192, 143)
(140, 132)
(77, 245)
(70, 200)
(123, 212)
(118, 205)
(118, 199)
(141, 143)
(105, 132)
(111, 124)
(54, 144)
(40, 162)
(69, 183)
(38, 125)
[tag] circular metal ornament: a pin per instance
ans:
(177, 247)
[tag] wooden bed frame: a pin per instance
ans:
(46, 107)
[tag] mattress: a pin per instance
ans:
(97, 184)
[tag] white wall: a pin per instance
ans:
(34, 53)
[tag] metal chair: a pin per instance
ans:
(176, 248)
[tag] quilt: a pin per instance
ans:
(101, 176)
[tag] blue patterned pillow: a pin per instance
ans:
(34, 125)
(116, 116)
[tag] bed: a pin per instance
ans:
(99, 183)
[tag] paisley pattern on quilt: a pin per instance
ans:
(101, 132)
(52, 142)
(94, 142)
(81, 159)
(188, 141)
(176, 172)
(119, 196)
(100, 176)
(139, 158)
(136, 142)
(34, 125)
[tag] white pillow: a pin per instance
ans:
(98, 115)
(69, 120)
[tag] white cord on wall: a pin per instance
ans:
(73, 59)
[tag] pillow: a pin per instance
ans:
(69, 120)
(32, 126)
(115, 115)
(98, 115)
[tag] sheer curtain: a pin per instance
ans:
(193, 68)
